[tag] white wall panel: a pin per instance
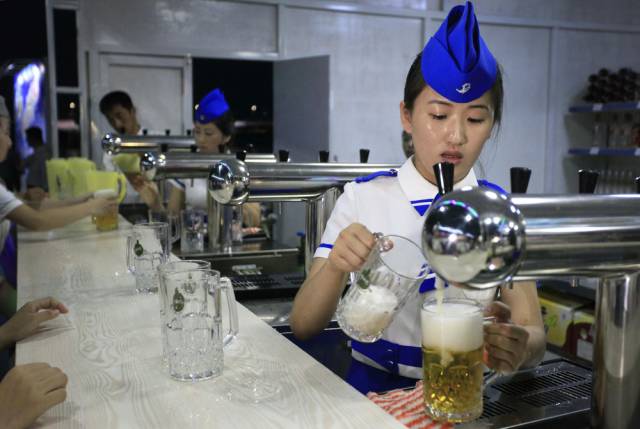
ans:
(613, 12)
(369, 58)
(184, 26)
(578, 54)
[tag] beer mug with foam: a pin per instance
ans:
(452, 344)
(392, 272)
(106, 184)
(193, 315)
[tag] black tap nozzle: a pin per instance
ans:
(444, 177)
(189, 132)
(241, 155)
(145, 131)
(164, 147)
(193, 148)
(283, 155)
(587, 181)
(637, 180)
(167, 132)
(520, 179)
(324, 155)
(364, 156)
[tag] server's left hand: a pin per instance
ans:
(505, 342)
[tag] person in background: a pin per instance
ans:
(36, 162)
(453, 99)
(27, 391)
(117, 107)
(213, 132)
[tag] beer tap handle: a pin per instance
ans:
(520, 179)
(637, 180)
(283, 155)
(164, 147)
(444, 177)
(241, 155)
(587, 181)
(324, 155)
(193, 148)
(189, 132)
(167, 132)
(145, 131)
(364, 156)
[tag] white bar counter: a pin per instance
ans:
(109, 346)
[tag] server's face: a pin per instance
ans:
(123, 120)
(209, 138)
(444, 131)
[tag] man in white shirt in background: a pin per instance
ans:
(117, 107)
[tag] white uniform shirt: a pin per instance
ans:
(395, 205)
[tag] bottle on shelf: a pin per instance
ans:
(600, 132)
(625, 130)
(614, 131)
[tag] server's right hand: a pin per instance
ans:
(351, 248)
(27, 391)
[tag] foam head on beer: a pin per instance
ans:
(105, 193)
(452, 326)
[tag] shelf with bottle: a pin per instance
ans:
(613, 134)
(622, 106)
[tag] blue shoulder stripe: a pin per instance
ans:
(387, 173)
(493, 186)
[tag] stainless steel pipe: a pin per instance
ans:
(478, 237)
(233, 182)
(114, 143)
(183, 165)
(316, 184)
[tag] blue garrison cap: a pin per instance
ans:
(456, 63)
(212, 106)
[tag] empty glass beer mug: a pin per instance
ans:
(392, 272)
(192, 230)
(452, 344)
(193, 316)
(147, 249)
(175, 267)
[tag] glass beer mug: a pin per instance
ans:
(192, 230)
(147, 249)
(452, 344)
(192, 303)
(392, 272)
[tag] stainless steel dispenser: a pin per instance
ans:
(316, 184)
(114, 143)
(175, 165)
(480, 238)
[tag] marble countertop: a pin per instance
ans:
(109, 346)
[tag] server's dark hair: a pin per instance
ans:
(415, 84)
(224, 124)
(113, 99)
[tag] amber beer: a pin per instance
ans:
(108, 220)
(452, 341)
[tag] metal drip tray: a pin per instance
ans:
(257, 286)
(536, 397)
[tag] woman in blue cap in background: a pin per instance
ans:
(452, 102)
(213, 131)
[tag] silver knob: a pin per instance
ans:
(111, 143)
(229, 182)
(474, 236)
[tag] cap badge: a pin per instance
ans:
(464, 88)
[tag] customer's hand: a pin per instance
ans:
(27, 391)
(100, 206)
(505, 342)
(351, 249)
(28, 319)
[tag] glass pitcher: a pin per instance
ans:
(392, 272)
(192, 303)
(106, 184)
(147, 249)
